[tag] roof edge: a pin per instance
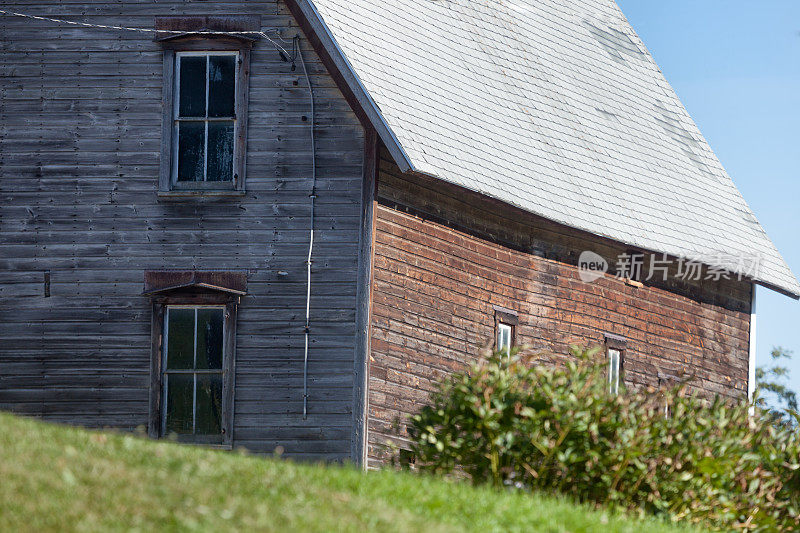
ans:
(316, 24)
(772, 287)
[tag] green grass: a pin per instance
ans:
(68, 479)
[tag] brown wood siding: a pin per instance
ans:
(444, 258)
(80, 141)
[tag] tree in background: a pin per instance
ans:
(773, 379)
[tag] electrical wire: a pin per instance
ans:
(148, 30)
(297, 52)
(297, 49)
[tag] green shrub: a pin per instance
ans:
(510, 422)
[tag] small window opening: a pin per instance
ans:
(614, 367)
(665, 383)
(406, 458)
(505, 334)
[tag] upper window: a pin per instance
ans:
(205, 116)
(204, 133)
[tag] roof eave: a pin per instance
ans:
(790, 294)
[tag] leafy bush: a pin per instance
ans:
(513, 423)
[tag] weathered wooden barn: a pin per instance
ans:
(279, 223)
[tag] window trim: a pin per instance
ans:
(182, 298)
(613, 387)
(619, 345)
(176, 120)
(167, 184)
(499, 329)
(508, 318)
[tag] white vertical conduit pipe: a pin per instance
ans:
(313, 197)
(751, 360)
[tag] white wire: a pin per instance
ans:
(313, 197)
(148, 30)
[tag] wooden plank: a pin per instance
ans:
(230, 372)
(155, 390)
(241, 111)
(364, 296)
(167, 102)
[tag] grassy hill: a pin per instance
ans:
(61, 478)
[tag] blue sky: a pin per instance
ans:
(736, 66)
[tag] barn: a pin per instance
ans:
(277, 224)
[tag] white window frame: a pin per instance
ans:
(614, 369)
(176, 119)
(505, 332)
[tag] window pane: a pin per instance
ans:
(220, 151)
(180, 339)
(221, 85)
(180, 394)
(209, 404)
(209, 338)
(191, 151)
(503, 338)
(613, 370)
(192, 91)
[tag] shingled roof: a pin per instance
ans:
(553, 106)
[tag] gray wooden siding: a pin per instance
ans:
(80, 137)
